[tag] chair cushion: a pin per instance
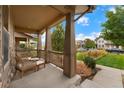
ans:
(40, 62)
(26, 66)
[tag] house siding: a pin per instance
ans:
(101, 43)
(7, 71)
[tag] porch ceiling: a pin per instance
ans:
(35, 18)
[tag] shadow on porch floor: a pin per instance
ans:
(50, 76)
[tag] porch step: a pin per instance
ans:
(109, 79)
(90, 84)
(105, 78)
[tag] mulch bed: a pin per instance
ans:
(85, 72)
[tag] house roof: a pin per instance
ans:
(98, 38)
(33, 19)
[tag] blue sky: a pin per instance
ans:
(89, 25)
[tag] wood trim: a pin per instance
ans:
(60, 16)
(88, 9)
(27, 30)
(56, 9)
(55, 52)
(70, 8)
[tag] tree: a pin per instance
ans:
(58, 36)
(113, 28)
(89, 44)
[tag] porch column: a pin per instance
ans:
(69, 47)
(48, 44)
(17, 43)
(39, 44)
(27, 42)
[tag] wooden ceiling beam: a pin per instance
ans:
(70, 8)
(60, 16)
(25, 30)
(57, 9)
(52, 22)
(89, 10)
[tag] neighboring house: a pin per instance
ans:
(79, 43)
(101, 43)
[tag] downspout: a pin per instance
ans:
(88, 10)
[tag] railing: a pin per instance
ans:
(27, 53)
(56, 58)
(53, 57)
(42, 54)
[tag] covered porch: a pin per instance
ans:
(45, 17)
(36, 20)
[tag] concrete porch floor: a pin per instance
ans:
(49, 77)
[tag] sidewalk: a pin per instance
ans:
(106, 78)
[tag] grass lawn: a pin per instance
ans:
(112, 60)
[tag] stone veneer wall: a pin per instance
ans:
(7, 71)
(12, 45)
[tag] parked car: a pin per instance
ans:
(115, 50)
(81, 49)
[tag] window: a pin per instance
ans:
(99, 46)
(102, 46)
(5, 35)
(5, 46)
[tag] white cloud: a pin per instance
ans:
(80, 36)
(112, 9)
(95, 34)
(43, 39)
(83, 21)
(91, 36)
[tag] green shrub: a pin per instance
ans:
(96, 53)
(90, 62)
(22, 45)
(80, 56)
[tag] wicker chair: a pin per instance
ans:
(24, 65)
